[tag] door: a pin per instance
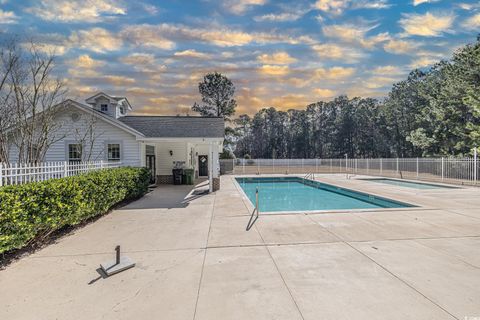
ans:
(150, 161)
(203, 166)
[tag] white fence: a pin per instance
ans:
(19, 173)
(448, 170)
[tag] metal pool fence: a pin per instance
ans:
(447, 170)
(20, 173)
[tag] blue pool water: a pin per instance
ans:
(409, 184)
(297, 194)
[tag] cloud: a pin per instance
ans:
(388, 70)
(86, 62)
(290, 101)
(324, 93)
(77, 11)
(379, 82)
(118, 80)
(191, 53)
(146, 35)
(417, 2)
(350, 33)
(165, 35)
(136, 59)
(337, 7)
(423, 62)
(95, 39)
(332, 51)
(279, 17)
(334, 73)
(472, 23)
(239, 7)
(276, 58)
(332, 6)
(7, 17)
(426, 25)
(273, 70)
(400, 46)
(468, 6)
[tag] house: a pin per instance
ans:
(102, 129)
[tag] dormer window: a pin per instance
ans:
(104, 107)
(122, 110)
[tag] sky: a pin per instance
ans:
(284, 54)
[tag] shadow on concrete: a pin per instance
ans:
(102, 275)
(170, 196)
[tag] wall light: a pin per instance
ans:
(171, 153)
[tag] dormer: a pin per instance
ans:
(115, 107)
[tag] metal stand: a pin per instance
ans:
(120, 264)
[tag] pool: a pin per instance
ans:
(409, 184)
(297, 194)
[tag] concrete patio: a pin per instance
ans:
(196, 261)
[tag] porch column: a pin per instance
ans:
(210, 167)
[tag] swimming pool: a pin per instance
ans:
(409, 184)
(297, 194)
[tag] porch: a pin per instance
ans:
(161, 156)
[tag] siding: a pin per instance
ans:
(165, 160)
(72, 132)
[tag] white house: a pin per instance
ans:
(103, 130)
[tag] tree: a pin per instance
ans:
(217, 96)
(30, 94)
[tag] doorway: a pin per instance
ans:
(203, 166)
(150, 162)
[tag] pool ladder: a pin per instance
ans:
(309, 176)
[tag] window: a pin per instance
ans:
(74, 152)
(122, 110)
(104, 107)
(113, 151)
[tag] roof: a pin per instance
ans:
(176, 126)
(109, 97)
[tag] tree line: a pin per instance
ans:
(431, 113)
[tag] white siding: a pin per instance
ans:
(165, 160)
(72, 132)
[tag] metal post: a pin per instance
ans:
(474, 167)
(1, 174)
(273, 164)
(397, 165)
(256, 200)
(443, 168)
(368, 166)
(346, 165)
(117, 255)
(381, 166)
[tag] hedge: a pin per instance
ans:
(31, 212)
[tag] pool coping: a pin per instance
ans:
(249, 204)
(439, 185)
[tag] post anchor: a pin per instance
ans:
(118, 265)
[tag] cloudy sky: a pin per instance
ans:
(278, 53)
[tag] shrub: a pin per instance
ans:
(32, 211)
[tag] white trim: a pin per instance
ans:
(119, 142)
(191, 140)
(106, 118)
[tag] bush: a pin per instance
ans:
(32, 211)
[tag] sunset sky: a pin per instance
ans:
(284, 54)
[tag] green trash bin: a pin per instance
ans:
(189, 174)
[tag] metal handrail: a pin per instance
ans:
(255, 210)
(308, 175)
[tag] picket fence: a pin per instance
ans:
(20, 173)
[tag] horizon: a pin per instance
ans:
(280, 54)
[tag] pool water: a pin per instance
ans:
(297, 194)
(409, 184)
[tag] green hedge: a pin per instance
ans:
(32, 211)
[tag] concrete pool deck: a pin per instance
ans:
(196, 261)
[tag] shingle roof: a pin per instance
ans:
(176, 126)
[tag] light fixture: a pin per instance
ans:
(171, 153)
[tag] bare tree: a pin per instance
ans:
(32, 94)
(87, 134)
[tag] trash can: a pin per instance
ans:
(177, 176)
(189, 175)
